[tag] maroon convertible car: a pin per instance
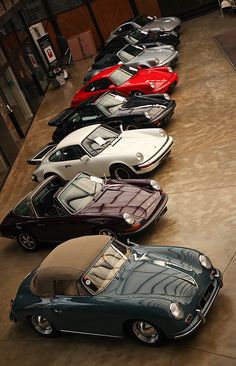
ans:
(58, 210)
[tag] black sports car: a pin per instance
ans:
(140, 38)
(58, 210)
(115, 109)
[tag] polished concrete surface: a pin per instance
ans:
(200, 179)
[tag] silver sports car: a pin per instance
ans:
(135, 56)
(147, 23)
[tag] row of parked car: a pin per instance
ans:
(105, 284)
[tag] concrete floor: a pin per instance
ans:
(200, 179)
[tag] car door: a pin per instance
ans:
(81, 313)
(59, 229)
(66, 162)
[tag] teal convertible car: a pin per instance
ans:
(97, 285)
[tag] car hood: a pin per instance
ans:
(139, 105)
(161, 53)
(116, 199)
(153, 110)
(151, 74)
(132, 142)
(167, 24)
(157, 276)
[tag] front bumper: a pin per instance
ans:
(152, 219)
(155, 160)
(201, 314)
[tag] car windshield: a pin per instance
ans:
(143, 20)
(136, 35)
(79, 192)
(129, 52)
(99, 140)
(122, 75)
(106, 267)
(109, 103)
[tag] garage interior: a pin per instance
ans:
(199, 177)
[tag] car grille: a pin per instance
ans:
(206, 296)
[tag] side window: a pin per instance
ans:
(67, 153)
(124, 28)
(91, 112)
(98, 85)
(91, 87)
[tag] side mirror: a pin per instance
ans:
(84, 159)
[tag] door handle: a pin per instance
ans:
(68, 166)
(41, 224)
(57, 311)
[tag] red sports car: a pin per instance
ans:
(128, 80)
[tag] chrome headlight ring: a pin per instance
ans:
(205, 261)
(176, 310)
(161, 132)
(155, 185)
(129, 219)
(139, 156)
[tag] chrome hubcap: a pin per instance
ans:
(145, 332)
(27, 241)
(41, 324)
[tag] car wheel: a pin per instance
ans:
(107, 232)
(147, 333)
(42, 326)
(136, 93)
(27, 241)
(121, 172)
(131, 126)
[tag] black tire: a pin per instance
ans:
(131, 126)
(146, 333)
(27, 241)
(136, 93)
(121, 171)
(105, 231)
(42, 326)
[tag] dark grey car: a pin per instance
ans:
(134, 56)
(147, 23)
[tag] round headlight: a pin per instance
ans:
(161, 132)
(139, 156)
(205, 261)
(128, 218)
(166, 96)
(147, 115)
(177, 311)
(155, 185)
(170, 69)
(152, 84)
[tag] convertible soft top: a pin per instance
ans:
(67, 262)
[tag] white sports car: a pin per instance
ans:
(103, 151)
